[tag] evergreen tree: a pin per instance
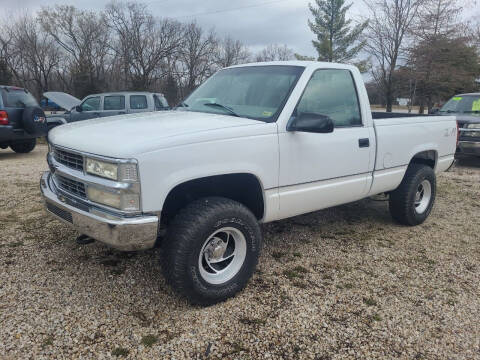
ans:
(337, 40)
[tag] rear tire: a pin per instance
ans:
(211, 250)
(411, 203)
(24, 146)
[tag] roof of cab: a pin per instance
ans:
(305, 64)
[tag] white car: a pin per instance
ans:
(254, 144)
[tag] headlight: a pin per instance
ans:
(114, 171)
(102, 168)
(114, 198)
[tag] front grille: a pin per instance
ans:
(72, 160)
(71, 186)
(65, 215)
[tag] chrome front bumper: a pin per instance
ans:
(122, 233)
(469, 147)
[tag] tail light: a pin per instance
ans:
(3, 118)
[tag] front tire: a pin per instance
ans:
(24, 146)
(411, 203)
(211, 250)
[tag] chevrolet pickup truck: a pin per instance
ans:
(255, 143)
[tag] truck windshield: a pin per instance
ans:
(255, 92)
(17, 98)
(463, 104)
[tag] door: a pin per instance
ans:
(319, 170)
(113, 105)
(90, 109)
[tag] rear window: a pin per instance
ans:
(138, 102)
(17, 98)
(116, 102)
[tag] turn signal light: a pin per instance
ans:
(3, 118)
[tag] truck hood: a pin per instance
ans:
(62, 99)
(129, 135)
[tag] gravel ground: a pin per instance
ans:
(342, 283)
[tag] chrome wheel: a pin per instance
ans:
(222, 255)
(423, 196)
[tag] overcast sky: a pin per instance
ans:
(255, 22)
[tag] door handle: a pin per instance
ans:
(364, 143)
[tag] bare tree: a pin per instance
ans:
(390, 22)
(231, 52)
(84, 36)
(32, 55)
(275, 52)
(142, 42)
(196, 59)
(437, 20)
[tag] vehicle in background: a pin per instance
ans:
(255, 143)
(49, 105)
(103, 105)
(466, 107)
(22, 120)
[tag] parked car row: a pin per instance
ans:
(22, 120)
(103, 105)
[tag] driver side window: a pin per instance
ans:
(332, 93)
(91, 104)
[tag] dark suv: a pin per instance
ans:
(22, 121)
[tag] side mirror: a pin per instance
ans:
(434, 111)
(310, 122)
(78, 108)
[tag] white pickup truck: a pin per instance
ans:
(254, 144)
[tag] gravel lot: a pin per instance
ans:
(341, 283)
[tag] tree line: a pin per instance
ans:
(416, 49)
(421, 50)
(123, 47)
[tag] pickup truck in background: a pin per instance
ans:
(103, 105)
(22, 120)
(466, 108)
(255, 143)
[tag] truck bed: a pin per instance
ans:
(400, 138)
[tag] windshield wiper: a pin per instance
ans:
(229, 109)
(472, 112)
(182, 104)
(448, 111)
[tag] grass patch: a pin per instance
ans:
(277, 255)
(369, 302)
(47, 342)
(376, 317)
(298, 272)
(300, 285)
(15, 244)
(348, 286)
(120, 352)
(149, 340)
(300, 269)
(297, 255)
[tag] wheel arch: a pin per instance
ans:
(425, 157)
(246, 188)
